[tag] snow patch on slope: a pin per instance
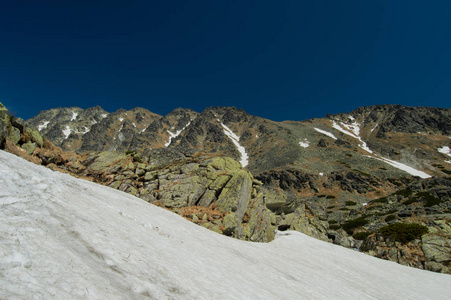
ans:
(325, 132)
(74, 116)
(403, 167)
(236, 140)
(72, 239)
(374, 127)
(44, 125)
(66, 131)
(354, 131)
(445, 150)
(304, 143)
(174, 135)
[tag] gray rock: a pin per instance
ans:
(236, 194)
(14, 135)
(29, 147)
(436, 248)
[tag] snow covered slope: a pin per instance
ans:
(66, 238)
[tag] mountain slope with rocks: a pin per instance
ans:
(69, 238)
(341, 179)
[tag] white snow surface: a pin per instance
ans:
(66, 131)
(174, 135)
(103, 115)
(236, 141)
(66, 238)
(44, 125)
(354, 131)
(445, 150)
(304, 143)
(74, 116)
(325, 132)
(403, 167)
(374, 127)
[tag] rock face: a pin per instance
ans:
(339, 179)
(4, 122)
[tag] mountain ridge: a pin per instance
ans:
(317, 176)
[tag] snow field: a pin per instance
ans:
(68, 238)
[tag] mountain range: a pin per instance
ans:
(343, 178)
(422, 136)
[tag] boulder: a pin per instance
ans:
(224, 163)
(236, 194)
(274, 199)
(36, 137)
(29, 147)
(14, 135)
(436, 248)
(230, 224)
(101, 160)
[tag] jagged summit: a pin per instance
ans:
(321, 145)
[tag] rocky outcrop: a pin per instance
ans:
(4, 123)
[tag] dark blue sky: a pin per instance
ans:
(282, 60)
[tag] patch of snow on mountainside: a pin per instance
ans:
(325, 132)
(66, 131)
(445, 150)
(403, 167)
(174, 135)
(68, 238)
(44, 125)
(354, 131)
(86, 130)
(74, 116)
(304, 143)
(374, 127)
(103, 115)
(236, 140)
(121, 119)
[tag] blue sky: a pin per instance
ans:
(282, 60)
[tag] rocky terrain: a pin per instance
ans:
(343, 178)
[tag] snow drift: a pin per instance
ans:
(68, 238)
